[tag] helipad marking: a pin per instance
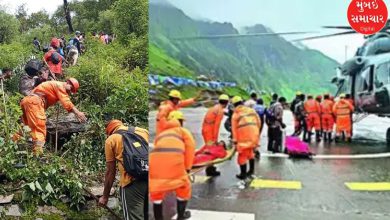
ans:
(328, 156)
(276, 184)
(201, 179)
(369, 186)
(202, 215)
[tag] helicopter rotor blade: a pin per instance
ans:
(324, 36)
(338, 27)
(225, 36)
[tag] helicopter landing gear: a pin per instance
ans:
(388, 136)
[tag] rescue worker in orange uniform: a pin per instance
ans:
(343, 111)
(210, 127)
(327, 118)
(53, 58)
(312, 110)
(42, 97)
(173, 104)
(246, 136)
(169, 164)
(349, 98)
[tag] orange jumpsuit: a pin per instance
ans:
(211, 124)
(34, 105)
(246, 132)
(343, 111)
(54, 68)
(164, 110)
(313, 110)
(327, 115)
(169, 161)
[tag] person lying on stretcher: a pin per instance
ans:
(208, 154)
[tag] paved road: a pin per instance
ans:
(323, 194)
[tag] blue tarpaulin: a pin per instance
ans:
(179, 81)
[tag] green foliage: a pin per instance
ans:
(130, 17)
(9, 27)
(113, 80)
(161, 62)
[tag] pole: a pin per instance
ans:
(5, 112)
(105, 206)
(57, 114)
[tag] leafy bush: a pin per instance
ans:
(113, 85)
(9, 27)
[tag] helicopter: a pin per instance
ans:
(366, 76)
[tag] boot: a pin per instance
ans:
(257, 154)
(330, 137)
(309, 134)
(337, 139)
(243, 174)
(304, 136)
(181, 210)
(212, 171)
(318, 136)
(325, 134)
(158, 211)
(251, 167)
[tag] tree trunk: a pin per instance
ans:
(67, 16)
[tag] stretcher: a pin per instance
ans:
(201, 166)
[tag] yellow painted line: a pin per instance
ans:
(369, 186)
(201, 179)
(276, 184)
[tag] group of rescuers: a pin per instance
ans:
(41, 90)
(174, 150)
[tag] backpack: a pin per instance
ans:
(260, 109)
(135, 154)
(297, 148)
(55, 57)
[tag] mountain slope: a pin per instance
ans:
(262, 63)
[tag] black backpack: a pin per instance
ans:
(135, 154)
(55, 58)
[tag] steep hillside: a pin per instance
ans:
(262, 63)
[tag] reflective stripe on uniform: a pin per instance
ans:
(246, 115)
(169, 135)
(247, 124)
(167, 150)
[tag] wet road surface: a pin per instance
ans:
(323, 194)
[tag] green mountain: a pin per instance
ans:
(267, 63)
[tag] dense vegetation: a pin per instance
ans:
(264, 64)
(113, 84)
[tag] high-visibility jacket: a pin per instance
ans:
(327, 107)
(166, 108)
(54, 68)
(211, 123)
(312, 106)
(245, 128)
(343, 109)
(52, 92)
(172, 156)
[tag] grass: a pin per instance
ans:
(161, 63)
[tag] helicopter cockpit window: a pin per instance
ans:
(366, 84)
(382, 75)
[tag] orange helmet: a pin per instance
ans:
(55, 42)
(75, 84)
(112, 125)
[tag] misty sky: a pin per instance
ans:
(281, 16)
(32, 5)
